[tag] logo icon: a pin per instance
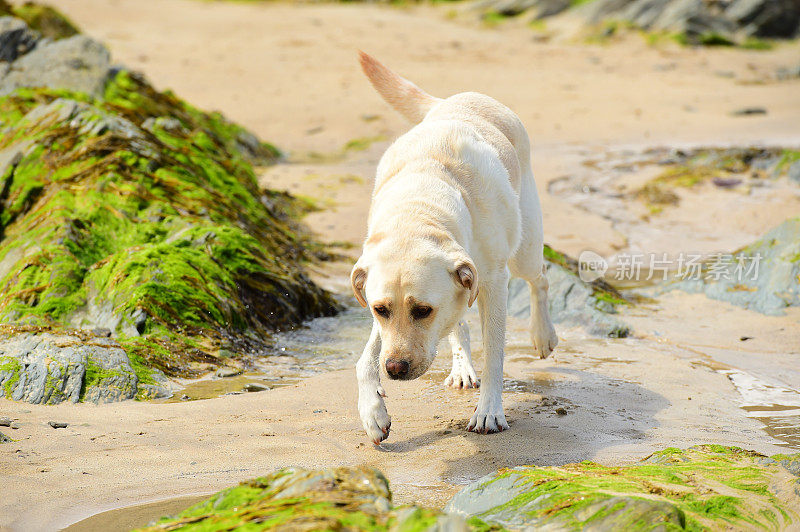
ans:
(591, 266)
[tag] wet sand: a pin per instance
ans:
(289, 73)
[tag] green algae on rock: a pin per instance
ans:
(300, 499)
(725, 167)
(64, 366)
(571, 300)
(127, 209)
(702, 488)
(48, 21)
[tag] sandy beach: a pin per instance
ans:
(289, 73)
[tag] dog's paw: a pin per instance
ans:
(462, 376)
(374, 416)
(487, 422)
(544, 339)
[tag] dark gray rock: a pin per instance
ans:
(48, 368)
(58, 424)
(571, 301)
(5, 421)
(77, 63)
(775, 285)
(16, 39)
(766, 18)
(5, 439)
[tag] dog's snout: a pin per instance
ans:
(396, 368)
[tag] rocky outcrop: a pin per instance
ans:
(764, 276)
(78, 64)
(695, 18)
(46, 368)
(127, 209)
(572, 301)
(302, 499)
(705, 487)
(696, 21)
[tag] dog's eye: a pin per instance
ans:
(420, 313)
(381, 311)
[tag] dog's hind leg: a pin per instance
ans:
(463, 374)
(528, 263)
(371, 407)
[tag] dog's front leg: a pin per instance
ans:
(488, 416)
(371, 407)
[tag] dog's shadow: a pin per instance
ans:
(550, 424)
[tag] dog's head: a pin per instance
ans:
(417, 291)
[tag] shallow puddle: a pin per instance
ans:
(130, 517)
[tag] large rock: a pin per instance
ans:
(128, 209)
(764, 276)
(76, 64)
(47, 368)
(571, 300)
(708, 486)
(301, 499)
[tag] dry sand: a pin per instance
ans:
(289, 73)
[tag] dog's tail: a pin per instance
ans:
(411, 101)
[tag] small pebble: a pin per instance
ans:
(561, 411)
(255, 387)
(228, 372)
(749, 111)
(5, 421)
(15, 425)
(58, 424)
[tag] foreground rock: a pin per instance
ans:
(300, 499)
(46, 368)
(572, 301)
(127, 210)
(764, 276)
(705, 487)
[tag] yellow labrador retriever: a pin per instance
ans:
(454, 209)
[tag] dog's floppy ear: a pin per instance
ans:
(467, 276)
(358, 277)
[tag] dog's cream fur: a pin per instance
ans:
(454, 213)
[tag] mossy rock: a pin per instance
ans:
(356, 499)
(134, 211)
(48, 21)
(572, 301)
(688, 169)
(763, 276)
(41, 366)
(708, 487)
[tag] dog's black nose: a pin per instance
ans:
(397, 369)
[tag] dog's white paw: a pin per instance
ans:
(544, 339)
(374, 416)
(462, 376)
(487, 422)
